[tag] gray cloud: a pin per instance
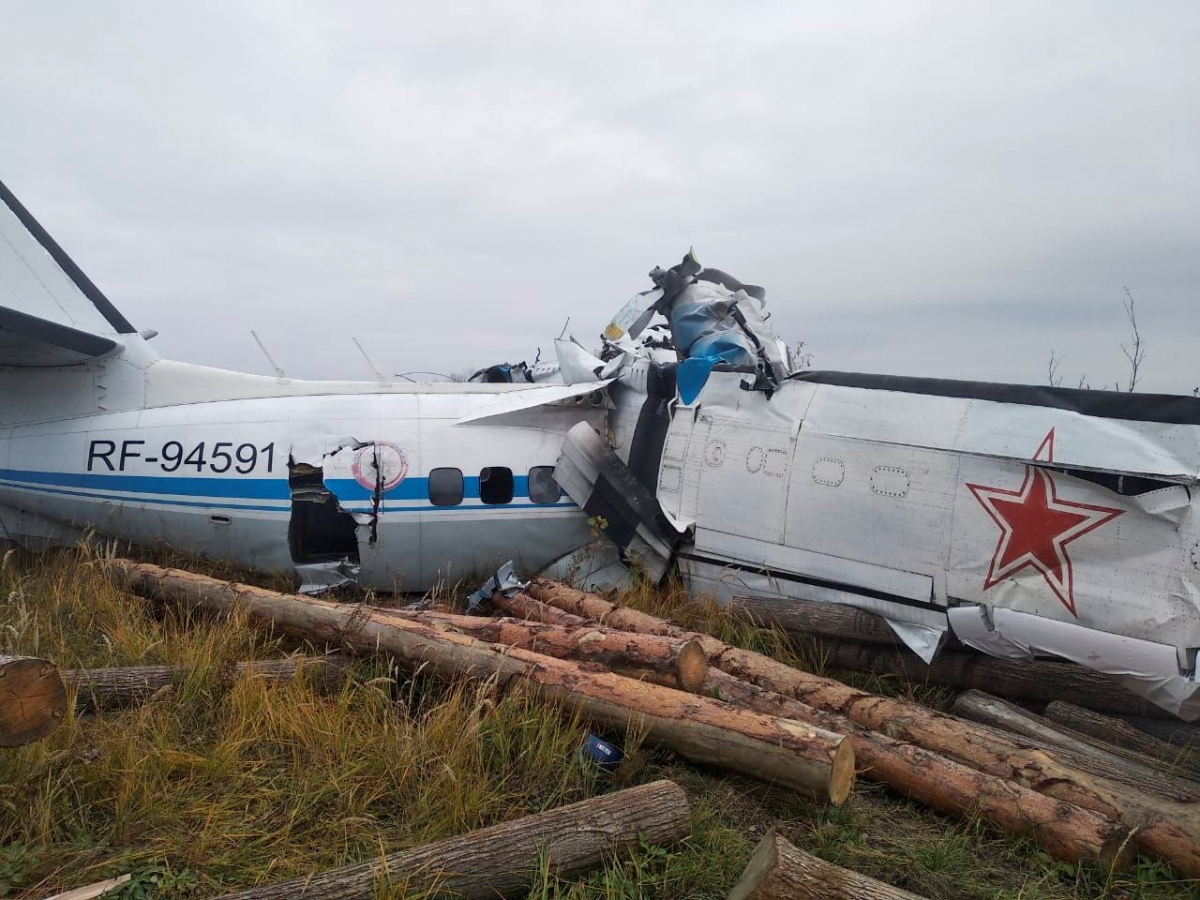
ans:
(951, 189)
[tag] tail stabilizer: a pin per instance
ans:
(51, 314)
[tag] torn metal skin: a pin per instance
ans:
(323, 535)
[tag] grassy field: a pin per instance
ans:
(217, 784)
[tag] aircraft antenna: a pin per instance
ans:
(405, 375)
(263, 348)
(370, 362)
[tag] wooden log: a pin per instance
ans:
(1106, 729)
(779, 870)
(1173, 731)
(503, 860)
(591, 608)
(745, 664)
(523, 606)
(119, 687)
(1167, 829)
(673, 662)
(1163, 828)
(1119, 733)
(832, 620)
(33, 699)
(1073, 749)
(810, 760)
(1035, 680)
(1064, 830)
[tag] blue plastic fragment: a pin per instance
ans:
(702, 325)
(598, 752)
(691, 375)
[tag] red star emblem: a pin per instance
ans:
(1036, 526)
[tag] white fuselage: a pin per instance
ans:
(280, 483)
(1007, 522)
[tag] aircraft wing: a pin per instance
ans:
(534, 396)
(51, 314)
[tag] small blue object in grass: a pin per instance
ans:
(600, 753)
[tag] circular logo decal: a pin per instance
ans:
(384, 465)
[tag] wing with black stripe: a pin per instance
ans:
(51, 314)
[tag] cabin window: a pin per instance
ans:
(542, 486)
(496, 485)
(445, 487)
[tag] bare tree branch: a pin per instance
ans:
(800, 358)
(1052, 376)
(1136, 351)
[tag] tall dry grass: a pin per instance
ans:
(251, 780)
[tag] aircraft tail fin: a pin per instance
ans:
(51, 314)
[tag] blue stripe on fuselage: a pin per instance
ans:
(226, 504)
(236, 493)
(242, 488)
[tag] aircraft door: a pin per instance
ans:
(678, 486)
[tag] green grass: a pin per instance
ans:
(218, 784)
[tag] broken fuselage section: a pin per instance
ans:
(1025, 520)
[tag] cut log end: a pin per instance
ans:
(33, 699)
(842, 773)
(691, 667)
(780, 871)
(758, 869)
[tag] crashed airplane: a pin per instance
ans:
(1024, 520)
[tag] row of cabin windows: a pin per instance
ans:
(495, 486)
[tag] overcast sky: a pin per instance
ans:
(952, 189)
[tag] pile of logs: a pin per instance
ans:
(582, 667)
(724, 706)
(1077, 809)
